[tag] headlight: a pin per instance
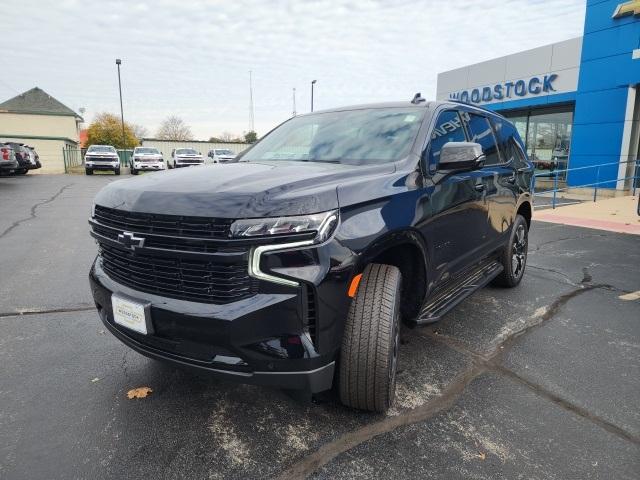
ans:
(322, 224)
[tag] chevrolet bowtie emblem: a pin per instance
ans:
(627, 8)
(129, 240)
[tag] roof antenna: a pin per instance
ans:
(417, 98)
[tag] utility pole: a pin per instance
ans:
(251, 118)
(124, 141)
(294, 101)
(312, 84)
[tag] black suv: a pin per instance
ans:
(295, 266)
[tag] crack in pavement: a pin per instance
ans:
(480, 363)
(564, 239)
(32, 213)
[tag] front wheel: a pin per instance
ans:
(116, 171)
(514, 255)
(369, 353)
(88, 171)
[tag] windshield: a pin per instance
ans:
(224, 152)
(152, 151)
(374, 135)
(101, 148)
(186, 151)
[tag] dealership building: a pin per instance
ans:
(575, 103)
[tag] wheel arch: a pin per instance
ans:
(526, 210)
(406, 250)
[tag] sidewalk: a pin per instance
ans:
(613, 214)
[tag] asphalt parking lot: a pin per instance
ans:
(540, 382)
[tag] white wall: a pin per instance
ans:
(166, 146)
(562, 59)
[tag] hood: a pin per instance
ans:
(235, 190)
(101, 154)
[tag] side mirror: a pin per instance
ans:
(461, 156)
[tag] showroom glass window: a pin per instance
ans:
(547, 136)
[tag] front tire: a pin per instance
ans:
(88, 171)
(117, 171)
(514, 255)
(369, 352)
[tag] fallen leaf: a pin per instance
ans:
(140, 392)
(94, 380)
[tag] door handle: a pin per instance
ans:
(480, 187)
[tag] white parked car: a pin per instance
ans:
(101, 157)
(185, 157)
(220, 155)
(146, 159)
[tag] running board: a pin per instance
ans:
(457, 290)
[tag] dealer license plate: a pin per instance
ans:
(129, 314)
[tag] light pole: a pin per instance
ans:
(124, 142)
(313, 82)
(294, 101)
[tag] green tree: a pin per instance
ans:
(106, 129)
(251, 137)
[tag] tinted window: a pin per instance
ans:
(481, 132)
(448, 129)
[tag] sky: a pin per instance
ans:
(192, 58)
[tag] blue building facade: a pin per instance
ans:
(576, 103)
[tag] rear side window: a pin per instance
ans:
(448, 129)
(481, 132)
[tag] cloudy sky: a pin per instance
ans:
(192, 58)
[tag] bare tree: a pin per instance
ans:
(174, 128)
(227, 137)
(139, 131)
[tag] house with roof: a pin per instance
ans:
(39, 120)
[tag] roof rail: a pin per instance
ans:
(455, 100)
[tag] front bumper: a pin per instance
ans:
(151, 166)
(93, 165)
(8, 166)
(258, 340)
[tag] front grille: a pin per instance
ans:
(101, 159)
(189, 258)
(199, 280)
(170, 225)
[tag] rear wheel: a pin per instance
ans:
(514, 255)
(369, 353)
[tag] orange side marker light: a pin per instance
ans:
(353, 288)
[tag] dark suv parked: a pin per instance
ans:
(296, 265)
(22, 156)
